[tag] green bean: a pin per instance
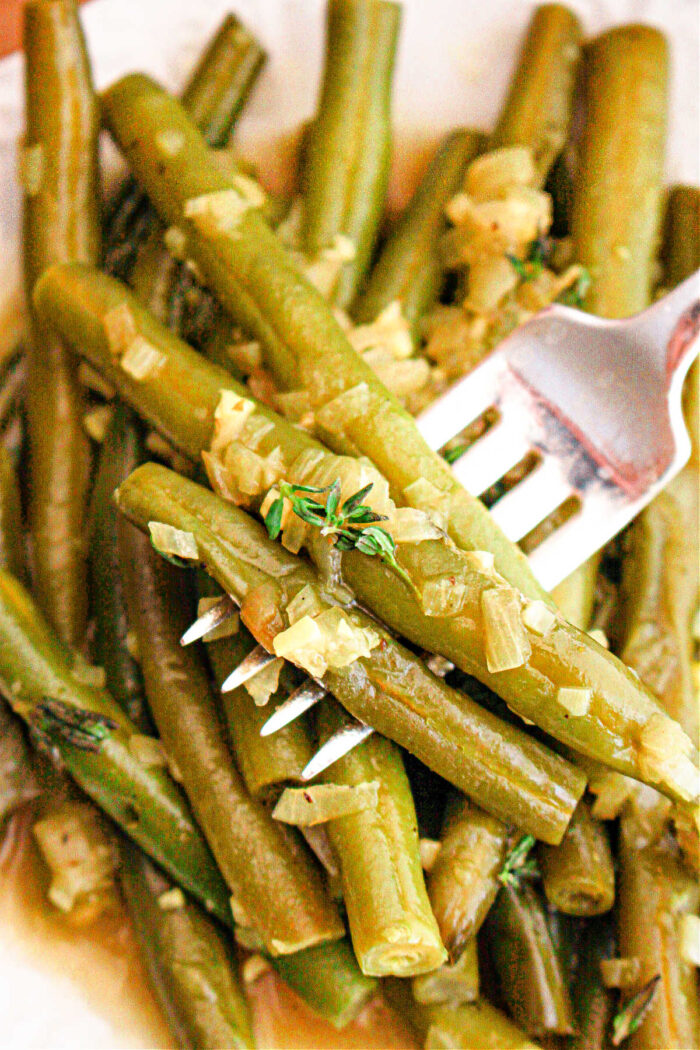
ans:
(505, 770)
(13, 373)
(578, 875)
(304, 347)
(18, 782)
(537, 110)
(187, 961)
(214, 96)
(409, 269)
(618, 186)
(348, 148)
(681, 254)
(530, 973)
(11, 537)
(574, 597)
(273, 885)
(463, 882)
(154, 274)
(61, 223)
(452, 983)
(656, 890)
(180, 397)
(392, 927)
(35, 667)
(328, 979)
(265, 763)
(593, 1002)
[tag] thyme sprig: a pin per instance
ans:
(627, 1020)
(518, 864)
(536, 258)
(54, 720)
(576, 295)
(351, 525)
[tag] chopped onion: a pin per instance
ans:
(390, 330)
(173, 542)
(538, 617)
(429, 849)
(423, 495)
(80, 856)
(576, 700)
(319, 803)
(240, 915)
(97, 421)
(611, 790)
(664, 756)
(87, 674)
(481, 561)
(506, 644)
(491, 175)
(305, 603)
(690, 939)
(250, 190)
(172, 900)
(31, 168)
(175, 240)
(350, 405)
(620, 973)
(246, 356)
(254, 967)
(141, 359)
(443, 596)
(409, 525)
(263, 684)
(170, 141)
(218, 213)
(330, 639)
(230, 416)
(120, 328)
(147, 751)
(491, 278)
(600, 637)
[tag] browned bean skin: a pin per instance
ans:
(578, 874)
(61, 224)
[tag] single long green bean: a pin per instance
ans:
(61, 223)
(189, 965)
(180, 398)
(578, 874)
(616, 214)
(530, 973)
(144, 801)
(452, 983)
(329, 980)
(273, 884)
(11, 536)
(392, 927)
(347, 151)
(409, 269)
(681, 252)
(505, 770)
(593, 1002)
(537, 111)
(463, 882)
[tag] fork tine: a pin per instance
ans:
(490, 457)
(341, 743)
(308, 694)
(224, 609)
(254, 662)
(462, 404)
(532, 499)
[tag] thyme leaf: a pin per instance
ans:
(54, 720)
(627, 1020)
(518, 865)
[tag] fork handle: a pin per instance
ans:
(672, 324)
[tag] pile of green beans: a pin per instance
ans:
(501, 921)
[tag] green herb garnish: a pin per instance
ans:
(576, 295)
(627, 1020)
(451, 455)
(53, 720)
(518, 865)
(351, 524)
(538, 252)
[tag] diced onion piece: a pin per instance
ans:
(250, 190)
(409, 525)
(80, 856)
(132, 645)
(664, 750)
(217, 213)
(239, 912)
(263, 684)
(324, 270)
(174, 542)
(230, 416)
(538, 617)
(175, 240)
(443, 596)
(600, 637)
(481, 561)
(575, 699)
(492, 174)
(246, 356)
(651, 811)
(350, 405)
(423, 495)
(141, 359)
(31, 168)
(295, 405)
(620, 973)
(328, 640)
(169, 141)
(690, 939)
(97, 421)
(226, 629)
(612, 791)
(249, 474)
(321, 802)
(120, 328)
(506, 644)
(172, 900)
(147, 751)
(491, 278)
(390, 330)
(305, 603)
(429, 849)
(87, 674)
(439, 665)
(218, 476)
(254, 967)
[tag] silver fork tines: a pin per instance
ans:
(254, 662)
(303, 698)
(343, 741)
(224, 609)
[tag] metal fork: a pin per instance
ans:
(592, 407)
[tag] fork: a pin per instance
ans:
(585, 412)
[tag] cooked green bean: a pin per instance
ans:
(154, 274)
(214, 96)
(452, 983)
(392, 927)
(327, 977)
(409, 269)
(265, 763)
(681, 254)
(574, 597)
(578, 874)
(593, 1002)
(92, 737)
(463, 882)
(11, 536)
(537, 110)
(187, 961)
(656, 891)
(530, 973)
(272, 882)
(348, 148)
(505, 770)
(61, 223)
(617, 201)
(180, 399)
(18, 782)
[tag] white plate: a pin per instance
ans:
(455, 60)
